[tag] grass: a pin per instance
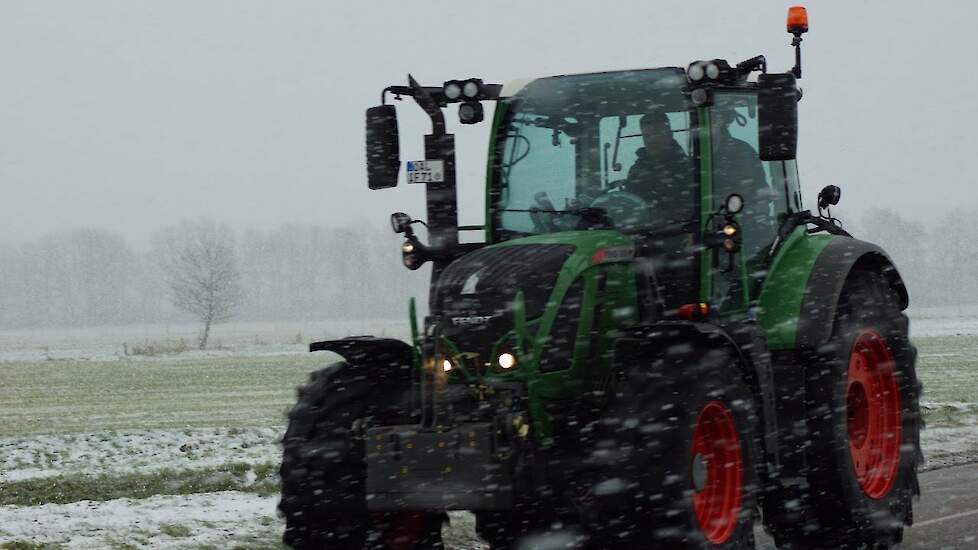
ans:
(948, 366)
(73, 488)
(174, 530)
(172, 393)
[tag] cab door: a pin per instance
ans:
(770, 190)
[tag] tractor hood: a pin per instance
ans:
(474, 295)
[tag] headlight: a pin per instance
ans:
(506, 360)
(447, 365)
(696, 72)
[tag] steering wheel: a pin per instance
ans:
(627, 210)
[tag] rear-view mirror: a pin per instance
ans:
(383, 147)
(777, 118)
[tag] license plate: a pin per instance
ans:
(425, 171)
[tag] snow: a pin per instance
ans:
(135, 452)
(217, 519)
(212, 518)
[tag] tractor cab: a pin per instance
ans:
(653, 154)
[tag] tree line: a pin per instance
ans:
(307, 272)
(296, 272)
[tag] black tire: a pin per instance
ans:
(323, 472)
(645, 496)
(846, 511)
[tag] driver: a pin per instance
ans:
(663, 177)
(662, 174)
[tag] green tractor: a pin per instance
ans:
(654, 346)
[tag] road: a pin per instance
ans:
(945, 517)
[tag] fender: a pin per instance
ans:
(796, 306)
(829, 275)
(746, 343)
(386, 359)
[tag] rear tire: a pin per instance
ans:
(678, 467)
(864, 424)
(323, 472)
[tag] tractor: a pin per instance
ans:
(653, 346)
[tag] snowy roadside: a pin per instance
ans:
(223, 520)
(157, 522)
(134, 452)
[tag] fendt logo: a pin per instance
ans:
(471, 321)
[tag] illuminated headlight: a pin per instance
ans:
(407, 247)
(447, 365)
(506, 360)
(712, 71)
(470, 89)
(696, 72)
(730, 230)
(452, 90)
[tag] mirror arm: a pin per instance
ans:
(430, 106)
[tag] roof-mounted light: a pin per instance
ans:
(472, 88)
(797, 20)
(452, 89)
(470, 112)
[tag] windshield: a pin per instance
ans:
(598, 149)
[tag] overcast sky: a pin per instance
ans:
(130, 115)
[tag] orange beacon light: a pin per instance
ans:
(797, 20)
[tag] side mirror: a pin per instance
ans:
(777, 118)
(829, 196)
(383, 147)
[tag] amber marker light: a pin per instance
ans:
(797, 20)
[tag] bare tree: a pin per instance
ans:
(201, 270)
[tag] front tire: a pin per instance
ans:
(323, 471)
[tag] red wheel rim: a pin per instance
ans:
(717, 472)
(874, 414)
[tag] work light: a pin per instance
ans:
(452, 89)
(472, 88)
(470, 112)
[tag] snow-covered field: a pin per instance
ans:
(44, 499)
